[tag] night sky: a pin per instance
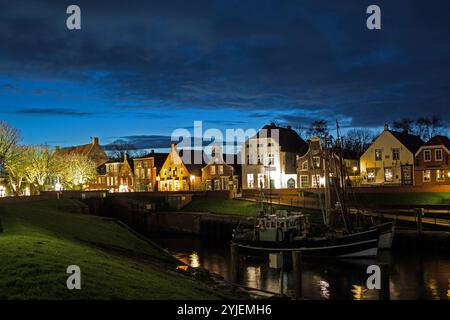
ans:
(139, 69)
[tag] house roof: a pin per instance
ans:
(289, 140)
(410, 141)
(439, 141)
(81, 150)
(192, 157)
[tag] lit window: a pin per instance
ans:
(427, 155)
(212, 170)
(388, 175)
(396, 154)
(316, 181)
(305, 165)
(271, 159)
(304, 181)
(371, 175)
(438, 154)
(250, 181)
(261, 180)
(440, 175)
(316, 162)
(426, 175)
(378, 155)
(220, 169)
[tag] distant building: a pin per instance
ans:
(175, 175)
(269, 158)
(218, 175)
(146, 171)
(311, 166)
(118, 176)
(92, 150)
(432, 165)
(390, 159)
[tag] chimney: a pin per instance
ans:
(95, 141)
(153, 151)
(386, 127)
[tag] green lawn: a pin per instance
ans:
(399, 199)
(229, 206)
(40, 241)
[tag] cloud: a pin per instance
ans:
(53, 112)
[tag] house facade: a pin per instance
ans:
(390, 159)
(311, 165)
(269, 158)
(118, 176)
(432, 165)
(146, 170)
(218, 175)
(175, 175)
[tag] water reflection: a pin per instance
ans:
(411, 276)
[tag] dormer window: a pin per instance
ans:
(438, 154)
(427, 155)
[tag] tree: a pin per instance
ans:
(75, 171)
(405, 125)
(429, 127)
(318, 128)
(41, 165)
(9, 138)
(16, 168)
(119, 148)
(356, 142)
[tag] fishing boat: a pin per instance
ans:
(292, 231)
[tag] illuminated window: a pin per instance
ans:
(304, 181)
(316, 181)
(212, 170)
(250, 181)
(427, 155)
(426, 175)
(220, 169)
(261, 181)
(438, 154)
(271, 159)
(305, 165)
(260, 159)
(371, 175)
(396, 154)
(388, 175)
(440, 175)
(316, 162)
(378, 154)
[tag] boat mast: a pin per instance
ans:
(342, 172)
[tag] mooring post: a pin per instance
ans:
(419, 214)
(234, 263)
(385, 291)
(297, 269)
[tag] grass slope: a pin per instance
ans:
(40, 241)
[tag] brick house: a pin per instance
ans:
(146, 171)
(432, 162)
(119, 175)
(176, 175)
(218, 175)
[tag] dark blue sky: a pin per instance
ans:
(140, 69)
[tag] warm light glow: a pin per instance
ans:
(2, 192)
(195, 261)
(58, 186)
(158, 178)
(192, 178)
(123, 188)
(355, 169)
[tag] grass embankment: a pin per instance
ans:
(400, 199)
(40, 241)
(236, 207)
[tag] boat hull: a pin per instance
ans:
(387, 231)
(357, 245)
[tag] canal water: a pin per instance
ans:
(411, 275)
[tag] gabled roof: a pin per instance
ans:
(81, 150)
(289, 140)
(439, 141)
(195, 160)
(410, 141)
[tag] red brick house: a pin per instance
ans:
(218, 175)
(432, 162)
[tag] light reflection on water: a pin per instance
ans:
(412, 276)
